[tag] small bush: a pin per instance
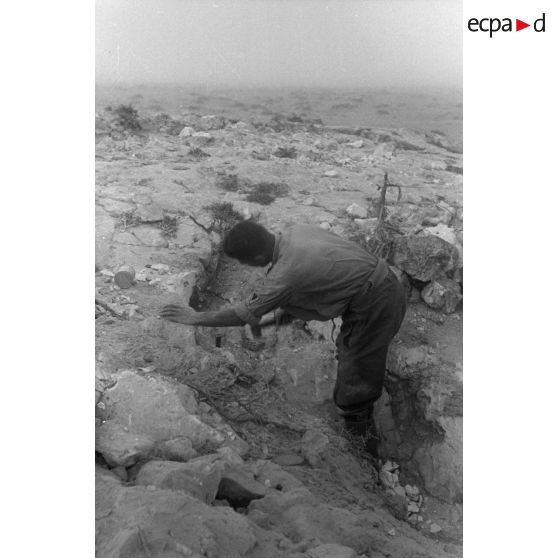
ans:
(223, 215)
(128, 117)
(263, 198)
(197, 153)
(265, 193)
(169, 226)
(285, 152)
(129, 219)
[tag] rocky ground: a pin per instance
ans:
(210, 442)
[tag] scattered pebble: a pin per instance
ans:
(358, 144)
(331, 173)
(413, 508)
(435, 528)
(187, 131)
(355, 210)
(391, 532)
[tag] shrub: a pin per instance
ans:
(265, 193)
(285, 152)
(128, 117)
(197, 153)
(169, 226)
(129, 219)
(224, 217)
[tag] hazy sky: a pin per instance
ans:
(280, 42)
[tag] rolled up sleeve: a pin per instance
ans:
(272, 294)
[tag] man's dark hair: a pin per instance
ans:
(246, 240)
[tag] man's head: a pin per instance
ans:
(250, 244)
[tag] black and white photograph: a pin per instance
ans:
(284, 360)
(278, 278)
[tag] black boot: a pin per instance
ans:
(361, 425)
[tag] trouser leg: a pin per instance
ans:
(362, 347)
(360, 378)
(368, 328)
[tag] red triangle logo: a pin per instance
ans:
(519, 25)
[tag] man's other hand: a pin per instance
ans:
(179, 314)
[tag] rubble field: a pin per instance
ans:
(213, 443)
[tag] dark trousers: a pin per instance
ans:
(370, 323)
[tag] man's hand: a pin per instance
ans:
(179, 314)
(277, 317)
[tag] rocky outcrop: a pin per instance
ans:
(442, 294)
(424, 258)
(420, 417)
(144, 416)
(140, 520)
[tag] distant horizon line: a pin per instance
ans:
(386, 87)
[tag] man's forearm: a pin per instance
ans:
(220, 318)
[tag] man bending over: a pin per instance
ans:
(317, 275)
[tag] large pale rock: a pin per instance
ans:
(424, 257)
(199, 480)
(140, 521)
(120, 447)
(159, 409)
(442, 294)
